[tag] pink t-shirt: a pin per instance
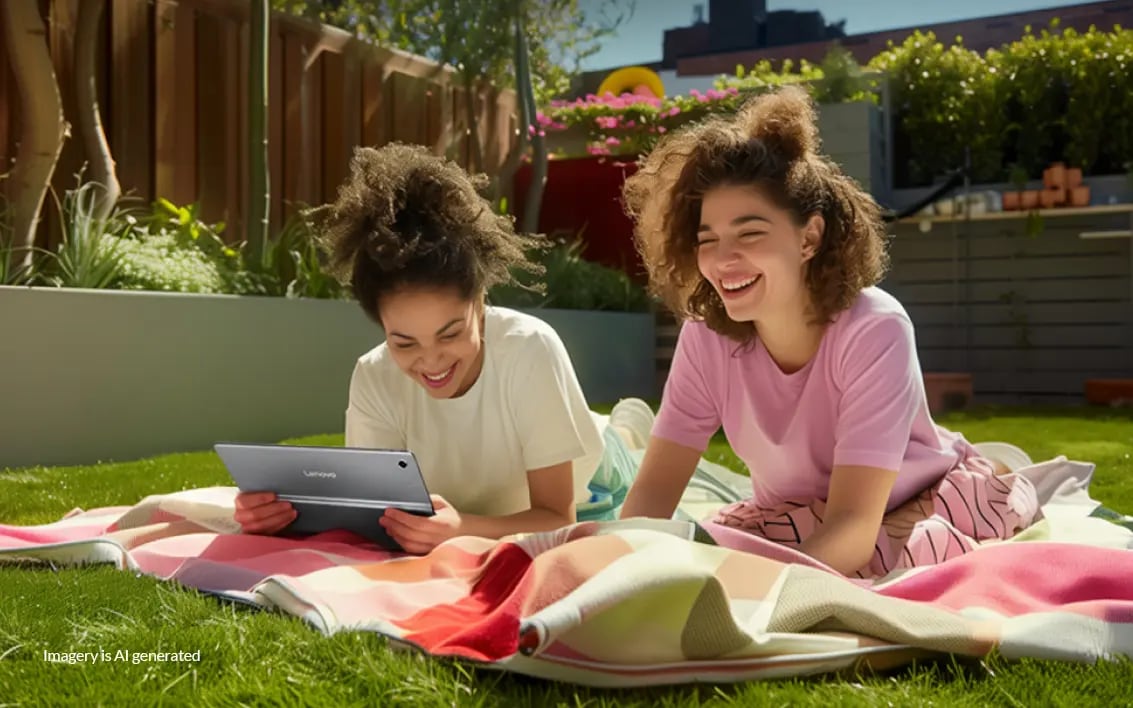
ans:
(859, 401)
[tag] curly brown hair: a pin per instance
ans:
(771, 144)
(407, 218)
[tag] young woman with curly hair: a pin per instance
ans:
(485, 397)
(772, 256)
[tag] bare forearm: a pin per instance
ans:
(651, 502)
(661, 480)
(845, 545)
(523, 522)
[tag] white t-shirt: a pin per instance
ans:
(524, 412)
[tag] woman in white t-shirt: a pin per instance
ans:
(485, 397)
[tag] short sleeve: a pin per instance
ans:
(881, 392)
(690, 413)
(547, 404)
(369, 422)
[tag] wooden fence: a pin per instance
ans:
(173, 79)
(1031, 316)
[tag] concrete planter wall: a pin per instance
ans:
(101, 375)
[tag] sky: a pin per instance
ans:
(639, 39)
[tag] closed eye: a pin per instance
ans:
(752, 234)
(405, 345)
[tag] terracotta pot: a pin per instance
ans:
(1011, 201)
(1049, 197)
(947, 391)
(1030, 199)
(1055, 176)
(1073, 177)
(1080, 196)
(1109, 392)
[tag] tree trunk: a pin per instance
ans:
(530, 127)
(259, 188)
(43, 127)
(89, 117)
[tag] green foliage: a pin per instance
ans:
(841, 79)
(477, 37)
(294, 263)
(9, 273)
(172, 249)
(573, 283)
(946, 100)
(837, 79)
(89, 253)
(1058, 95)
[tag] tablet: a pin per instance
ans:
(332, 487)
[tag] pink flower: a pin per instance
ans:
(612, 141)
(597, 150)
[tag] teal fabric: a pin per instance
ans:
(611, 481)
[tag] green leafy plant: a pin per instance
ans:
(573, 283)
(160, 261)
(9, 273)
(172, 249)
(293, 263)
(841, 79)
(89, 254)
(945, 101)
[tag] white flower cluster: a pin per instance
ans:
(158, 262)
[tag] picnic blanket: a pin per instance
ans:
(642, 602)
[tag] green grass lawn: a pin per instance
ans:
(252, 657)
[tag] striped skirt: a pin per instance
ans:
(970, 505)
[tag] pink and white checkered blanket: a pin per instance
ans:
(634, 602)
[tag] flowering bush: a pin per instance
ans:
(629, 124)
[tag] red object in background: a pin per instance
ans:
(583, 199)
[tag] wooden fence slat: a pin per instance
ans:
(236, 130)
(211, 109)
(293, 162)
(373, 104)
(186, 188)
(311, 110)
(166, 116)
(351, 108)
(333, 146)
(131, 95)
(278, 209)
(988, 269)
(9, 108)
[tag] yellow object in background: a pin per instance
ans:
(633, 79)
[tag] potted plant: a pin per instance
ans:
(1013, 199)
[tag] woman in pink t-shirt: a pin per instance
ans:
(771, 256)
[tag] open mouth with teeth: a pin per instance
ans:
(735, 287)
(439, 380)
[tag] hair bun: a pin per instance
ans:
(785, 120)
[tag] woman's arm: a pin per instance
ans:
(551, 490)
(662, 478)
(855, 505)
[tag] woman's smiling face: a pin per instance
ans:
(436, 338)
(753, 253)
